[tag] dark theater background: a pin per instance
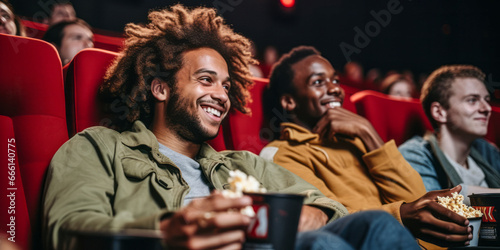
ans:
(390, 35)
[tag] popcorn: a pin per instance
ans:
(455, 204)
(239, 182)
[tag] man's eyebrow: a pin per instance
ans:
(475, 95)
(320, 74)
(315, 74)
(203, 70)
(211, 72)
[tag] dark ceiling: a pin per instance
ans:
(391, 34)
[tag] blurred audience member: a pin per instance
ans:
(270, 56)
(62, 11)
(353, 75)
(398, 85)
(341, 154)
(373, 76)
(9, 23)
(254, 68)
(455, 100)
(70, 37)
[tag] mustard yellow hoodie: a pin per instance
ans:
(345, 172)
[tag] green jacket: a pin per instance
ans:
(103, 180)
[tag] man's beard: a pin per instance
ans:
(186, 124)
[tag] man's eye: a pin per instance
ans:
(472, 100)
(205, 80)
(317, 82)
(335, 81)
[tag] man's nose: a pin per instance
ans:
(89, 44)
(485, 107)
(220, 94)
(334, 89)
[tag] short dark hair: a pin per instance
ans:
(156, 50)
(58, 3)
(437, 87)
(55, 33)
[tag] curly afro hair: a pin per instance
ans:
(155, 51)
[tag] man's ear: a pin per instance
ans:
(438, 112)
(287, 102)
(159, 89)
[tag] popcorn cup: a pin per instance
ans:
(276, 220)
(475, 224)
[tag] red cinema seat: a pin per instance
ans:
(392, 118)
(85, 74)
(32, 95)
(110, 43)
(14, 221)
(349, 91)
(34, 29)
(493, 134)
(246, 130)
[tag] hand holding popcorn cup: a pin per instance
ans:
(455, 204)
(275, 216)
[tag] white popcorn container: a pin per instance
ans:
(475, 224)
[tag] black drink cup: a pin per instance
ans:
(489, 204)
(276, 221)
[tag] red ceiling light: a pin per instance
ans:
(288, 3)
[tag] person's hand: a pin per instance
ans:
(311, 218)
(341, 121)
(432, 222)
(207, 224)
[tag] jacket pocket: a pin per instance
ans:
(139, 169)
(136, 168)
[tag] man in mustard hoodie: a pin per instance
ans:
(342, 155)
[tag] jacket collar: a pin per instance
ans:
(140, 135)
(294, 132)
(491, 175)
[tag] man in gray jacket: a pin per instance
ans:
(176, 80)
(456, 101)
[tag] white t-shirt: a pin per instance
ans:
(473, 176)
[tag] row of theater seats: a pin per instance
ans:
(112, 42)
(40, 110)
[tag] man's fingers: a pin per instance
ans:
(223, 221)
(321, 125)
(445, 192)
(445, 239)
(445, 214)
(215, 203)
(212, 240)
(457, 189)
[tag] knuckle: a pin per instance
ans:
(241, 236)
(187, 230)
(191, 244)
